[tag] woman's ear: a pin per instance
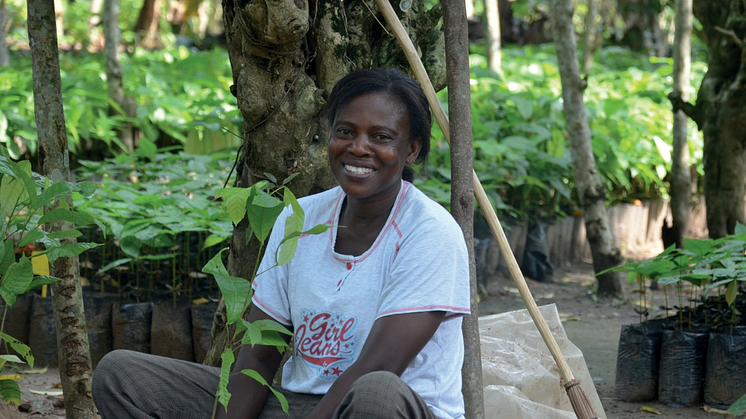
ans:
(414, 150)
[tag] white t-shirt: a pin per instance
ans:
(418, 263)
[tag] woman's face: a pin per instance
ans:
(370, 146)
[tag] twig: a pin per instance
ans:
(732, 35)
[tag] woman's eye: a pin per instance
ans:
(381, 137)
(344, 131)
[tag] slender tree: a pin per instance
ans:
(590, 35)
(591, 191)
(114, 72)
(492, 15)
(67, 300)
(285, 59)
(462, 190)
(4, 53)
(680, 174)
(94, 23)
(719, 112)
(147, 22)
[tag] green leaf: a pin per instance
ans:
(40, 280)
(236, 205)
(267, 325)
(731, 293)
(263, 212)
(7, 253)
(31, 237)
(227, 359)
(9, 391)
(739, 407)
(19, 347)
(130, 245)
(78, 218)
(68, 250)
(12, 193)
(13, 169)
(213, 240)
(16, 279)
(64, 234)
(255, 375)
(235, 290)
(253, 335)
(55, 190)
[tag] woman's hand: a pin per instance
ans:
(393, 343)
(248, 396)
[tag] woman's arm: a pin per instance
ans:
(247, 395)
(393, 343)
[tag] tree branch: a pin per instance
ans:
(690, 110)
(730, 34)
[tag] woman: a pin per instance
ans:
(375, 303)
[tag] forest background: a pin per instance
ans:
(161, 146)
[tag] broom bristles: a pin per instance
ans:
(579, 401)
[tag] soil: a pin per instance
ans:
(590, 324)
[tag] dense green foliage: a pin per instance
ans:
(521, 150)
(180, 94)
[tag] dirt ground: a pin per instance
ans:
(591, 325)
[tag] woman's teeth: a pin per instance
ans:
(358, 170)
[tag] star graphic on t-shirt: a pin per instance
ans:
(326, 372)
(336, 371)
(305, 318)
(347, 345)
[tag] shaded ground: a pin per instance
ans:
(592, 326)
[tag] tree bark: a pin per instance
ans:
(147, 22)
(286, 57)
(720, 112)
(680, 174)
(114, 86)
(462, 190)
(589, 36)
(492, 14)
(591, 191)
(4, 53)
(72, 339)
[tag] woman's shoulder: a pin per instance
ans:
(422, 213)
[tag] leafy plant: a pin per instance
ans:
(705, 265)
(262, 209)
(24, 198)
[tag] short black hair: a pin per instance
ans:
(395, 83)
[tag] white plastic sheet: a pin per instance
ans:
(521, 379)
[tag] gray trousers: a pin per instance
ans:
(134, 385)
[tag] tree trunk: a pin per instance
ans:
(720, 112)
(462, 190)
(94, 26)
(285, 58)
(642, 31)
(680, 174)
(4, 53)
(126, 133)
(590, 33)
(147, 22)
(492, 14)
(59, 17)
(72, 339)
(591, 191)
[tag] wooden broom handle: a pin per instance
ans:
(484, 202)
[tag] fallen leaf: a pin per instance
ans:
(650, 410)
(710, 409)
(35, 371)
(47, 392)
(10, 377)
(199, 301)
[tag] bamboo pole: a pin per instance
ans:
(578, 399)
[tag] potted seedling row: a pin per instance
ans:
(695, 351)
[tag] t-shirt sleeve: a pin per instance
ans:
(271, 284)
(430, 273)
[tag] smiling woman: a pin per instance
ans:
(374, 303)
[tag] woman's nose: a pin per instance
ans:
(360, 145)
